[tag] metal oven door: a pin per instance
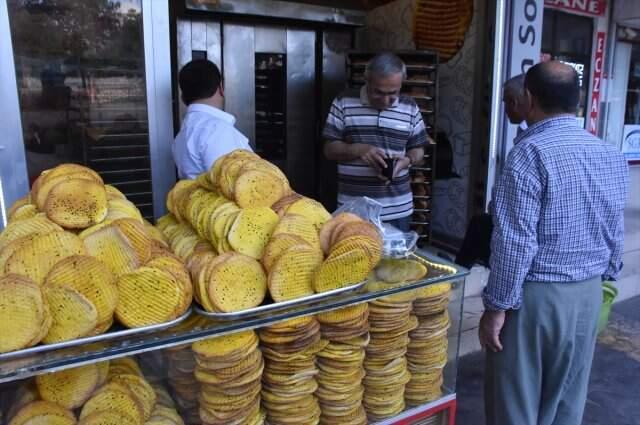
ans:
(270, 87)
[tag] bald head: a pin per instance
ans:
(554, 87)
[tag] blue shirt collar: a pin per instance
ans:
(559, 121)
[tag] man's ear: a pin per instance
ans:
(221, 89)
(528, 103)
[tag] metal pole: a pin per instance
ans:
(13, 162)
(495, 125)
(155, 21)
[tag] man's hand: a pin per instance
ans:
(491, 324)
(401, 164)
(373, 156)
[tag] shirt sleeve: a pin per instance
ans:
(615, 246)
(514, 242)
(418, 137)
(242, 142)
(334, 127)
(218, 141)
(616, 242)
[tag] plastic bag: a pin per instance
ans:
(396, 243)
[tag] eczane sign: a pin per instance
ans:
(587, 7)
(597, 83)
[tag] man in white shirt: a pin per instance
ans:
(207, 132)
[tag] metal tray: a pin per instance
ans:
(92, 339)
(424, 223)
(419, 96)
(418, 168)
(443, 267)
(268, 308)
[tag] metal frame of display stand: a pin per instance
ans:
(197, 327)
(414, 416)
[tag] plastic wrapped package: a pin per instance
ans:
(396, 243)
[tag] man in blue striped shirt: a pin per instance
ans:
(558, 230)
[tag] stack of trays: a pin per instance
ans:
(230, 368)
(186, 389)
(427, 351)
(288, 382)
(341, 364)
(390, 322)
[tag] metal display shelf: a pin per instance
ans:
(197, 327)
(427, 414)
(107, 336)
(283, 305)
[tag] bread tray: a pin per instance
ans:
(268, 308)
(93, 339)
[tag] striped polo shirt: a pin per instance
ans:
(395, 130)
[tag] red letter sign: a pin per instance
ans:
(597, 83)
(586, 7)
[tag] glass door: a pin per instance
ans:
(568, 38)
(80, 72)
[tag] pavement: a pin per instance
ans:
(614, 388)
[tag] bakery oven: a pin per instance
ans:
(282, 66)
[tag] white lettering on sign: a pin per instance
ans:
(579, 67)
(527, 33)
(589, 7)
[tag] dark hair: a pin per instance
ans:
(199, 79)
(515, 85)
(555, 87)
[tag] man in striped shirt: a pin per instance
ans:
(367, 126)
(558, 212)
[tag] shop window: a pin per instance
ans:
(568, 38)
(81, 85)
(631, 129)
(632, 110)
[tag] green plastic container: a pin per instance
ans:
(609, 294)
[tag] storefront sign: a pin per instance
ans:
(587, 7)
(526, 36)
(631, 142)
(597, 83)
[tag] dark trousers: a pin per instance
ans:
(476, 247)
